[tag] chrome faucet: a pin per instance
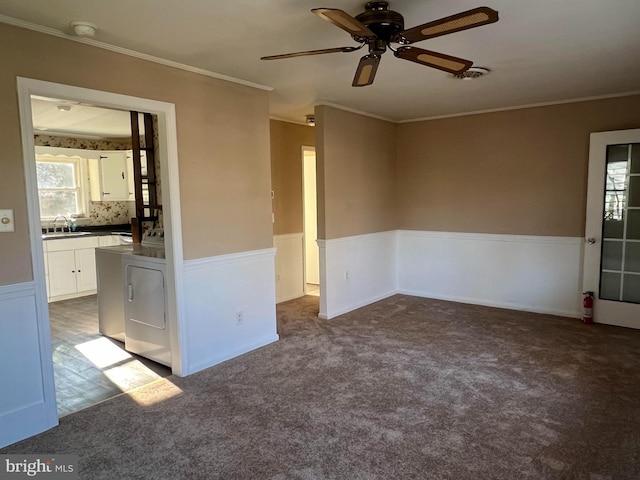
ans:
(55, 220)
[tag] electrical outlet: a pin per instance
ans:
(277, 277)
(346, 275)
(240, 318)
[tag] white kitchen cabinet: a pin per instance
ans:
(70, 267)
(86, 269)
(72, 271)
(62, 273)
(109, 177)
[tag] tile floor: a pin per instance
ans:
(88, 367)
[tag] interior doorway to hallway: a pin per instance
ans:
(310, 223)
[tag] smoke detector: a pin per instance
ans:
(472, 73)
(83, 29)
(310, 120)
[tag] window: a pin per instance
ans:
(59, 186)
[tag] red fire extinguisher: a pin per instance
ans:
(587, 304)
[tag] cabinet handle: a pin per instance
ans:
(123, 175)
(106, 193)
(130, 292)
(73, 271)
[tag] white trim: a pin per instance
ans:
(229, 258)
(353, 110)
(354, 306)
(229, 354)
(522, 272)
(288, 120)
(289, 266)
(33, 418)
(131, 53)
(217, 289)
(356, 271)
(169, 176)
(522, 107)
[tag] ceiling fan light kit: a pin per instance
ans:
(378, 28)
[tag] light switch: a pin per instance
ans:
(6, 221)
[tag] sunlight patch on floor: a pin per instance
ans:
(162, 390)
(102, 353)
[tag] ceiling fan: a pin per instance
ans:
(378, 27)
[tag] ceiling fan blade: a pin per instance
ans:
(434, 59)
(455, 23)
(366, 71)
(312, 52)
(342, 19)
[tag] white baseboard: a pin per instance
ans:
(289, 265)
(219, 289)
(357, 271)
(529, 273)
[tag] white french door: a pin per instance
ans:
(612, 232)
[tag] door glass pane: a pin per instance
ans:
(610, 286)
(632, 257)
(631, 290)
(634, 191)
(635, 158)
(620, 260)
(612, 255)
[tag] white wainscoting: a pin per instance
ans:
(289, 266)
(537, 274)
(27, 401)
(356, 271)
(218, 289)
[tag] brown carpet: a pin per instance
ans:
(405, 388)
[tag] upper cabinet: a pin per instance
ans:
(110, 177)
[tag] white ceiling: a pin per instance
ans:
(540, 51)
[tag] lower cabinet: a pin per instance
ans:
(72, 271)
(70, 266)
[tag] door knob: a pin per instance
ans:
(591, 240)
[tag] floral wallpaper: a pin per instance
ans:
(110, 213)
(85, 143)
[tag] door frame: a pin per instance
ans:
(620, 311)
(304, 150)
(167, 134)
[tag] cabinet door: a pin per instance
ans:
(113, 170)
(62, 273)
(86, 278)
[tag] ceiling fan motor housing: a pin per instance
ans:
(385, 23)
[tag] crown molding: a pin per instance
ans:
(131, 53)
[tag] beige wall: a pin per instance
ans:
(356, 173)
(512, 172)
(223, 142)
(287, 140)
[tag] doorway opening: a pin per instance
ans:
(87, 200)
(167, 134)
(310, 223)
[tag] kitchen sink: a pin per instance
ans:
(48, 236)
